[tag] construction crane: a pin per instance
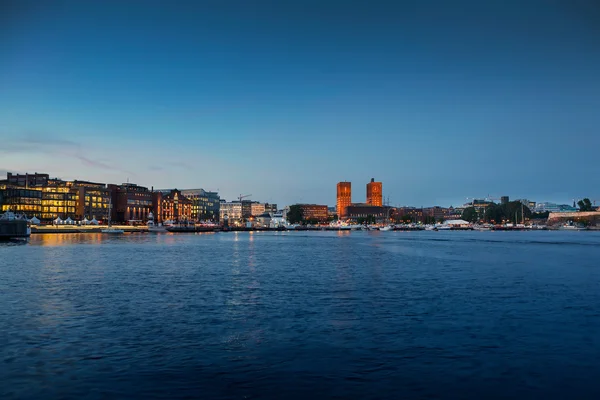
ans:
(472, 200)
(243, 197)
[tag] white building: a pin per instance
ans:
(233, 210)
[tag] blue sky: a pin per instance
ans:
(439, 100)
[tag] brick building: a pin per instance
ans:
(375, 193)
(130, 203)
(314, 212)
(344, 198)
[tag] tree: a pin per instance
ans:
(428, 220)
(514, 210)
(294, 215)
(470, 214)
(540, 215)
(369, 219)
(585, 205)
(402, 218)
(494, 213)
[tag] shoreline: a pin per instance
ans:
(132, 229)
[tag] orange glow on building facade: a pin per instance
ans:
(344, 198)
(375, 193)
(172, 206)
(314, 211)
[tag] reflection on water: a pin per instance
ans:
(61, 239)
(291, 314)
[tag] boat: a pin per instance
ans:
(339, 226)
(153, 227)
(443, 227)
(484, 227)
(570, 226)
(387, 228)
(14, 226)
(110, 229)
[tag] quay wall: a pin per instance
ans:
(592, 217)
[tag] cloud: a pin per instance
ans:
(166, 166)
(29, 143)
(46, 140)
(180, 164)
(36, 143)
(93, 163)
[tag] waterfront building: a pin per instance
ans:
(246, 208)
(271, 208)
(232, 210)
(527, 203)
(344, 198)
(21, 201)
(553, 207)
(411, 213)
(363, 210)
(453, 213)
(436, 212)
(479, 204)
(205, 205)
(171, 206)
(314, 212)
(257, 209)
(331, 212)
(92, 200)
(58, 200)
(27, 180)
(130, 203)
(375, 193)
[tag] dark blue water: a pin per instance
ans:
(297, 315)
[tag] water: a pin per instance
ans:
(300, 314)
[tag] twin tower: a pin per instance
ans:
(344, 196)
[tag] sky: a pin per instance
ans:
(439, 100)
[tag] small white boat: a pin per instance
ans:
(154, 227)
(387, 228)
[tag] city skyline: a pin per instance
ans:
(283, 101)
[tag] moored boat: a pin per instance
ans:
(570, 226)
